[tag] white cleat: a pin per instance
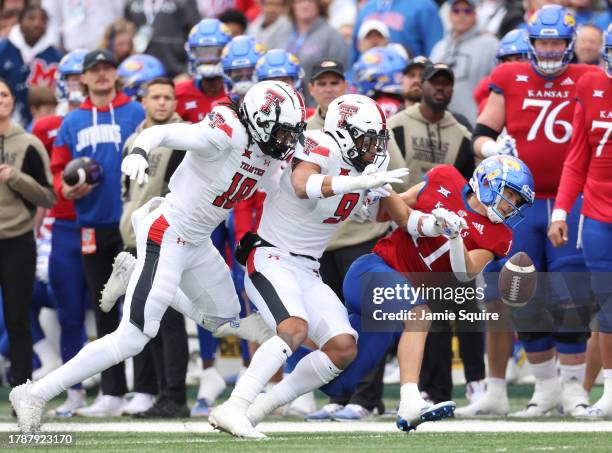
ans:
(408, 419)
(252, 328)
(75, 399)
(117, 283)
(27, 407)
(475, 390)
(233, 420)
(140, 402)
(601, 410)
(546, 398)
(490, 404)
(104, 406)
(575, 399)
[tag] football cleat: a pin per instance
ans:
(352, 413)
(104, 406)
(75, 399)
(140, 402)
(546, 397)
(27, 407)
(574, 399)
(409, 422)
(489, 404)
(251, 328)
(117, 283)
(233, 420)
(325, 413)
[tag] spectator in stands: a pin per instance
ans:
(41, 102)
(98, 129)
(411, 82)
(169, 349)
(589, 40)
(162, 28)
(342, 16)
(327, 82)
(605, 17)
(468, 52)
(25, 183)
(235, 20)
(415, 24)
(313, 38)
(119, 39)
(14, 5)
(7, 20)
(583, 11)
(80, 24)
(28, 59)
(372, 33)
(272, 27)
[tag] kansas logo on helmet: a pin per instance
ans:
(272, 97)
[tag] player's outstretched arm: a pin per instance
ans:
(397, 207)
(488, 127)
(182, 136)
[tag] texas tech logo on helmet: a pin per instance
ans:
(272, 97)
(346, 111)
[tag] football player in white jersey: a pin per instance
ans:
(229, 154)
(324, 185)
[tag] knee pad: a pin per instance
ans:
(536, 341)
(127, 341)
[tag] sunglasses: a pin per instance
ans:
(458, 10)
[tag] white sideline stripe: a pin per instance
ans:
(459, 426)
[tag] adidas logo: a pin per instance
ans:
(479, 227)
(567, 82)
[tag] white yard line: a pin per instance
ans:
(455, 426)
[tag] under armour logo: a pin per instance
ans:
(522, 78)
(444, 191)
(345, 111)
(267, 162)
(180, 241)
(345, 171)
(272, 97)
(247, 153)
(271, 256)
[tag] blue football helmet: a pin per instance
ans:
(515, 42)
(70, 64)
(278, 63)
(551, 22)
(379, 70)
(204, 46)
(137, 70)
(239, 58)
(606, 51)
(490, 179)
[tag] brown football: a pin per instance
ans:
(518, 280)
(82, 169)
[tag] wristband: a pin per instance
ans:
(420, 225)
(314, 184)
(490, 148)
(140, 152)
(558, 215)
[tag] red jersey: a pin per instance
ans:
(444, 188)
(46, 130)
(539, 113)
(589, 161)
(192, 105)
(247, 214)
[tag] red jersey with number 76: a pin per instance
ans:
(539, 113)
(444, 188)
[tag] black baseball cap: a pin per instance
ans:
(438, 68)
(98, 56)
(420, 61)
(323, 66)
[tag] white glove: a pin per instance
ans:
(505, 144)
(135, 166)
(347, 184)
(450, 224)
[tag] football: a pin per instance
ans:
(82, 169)
(518, 280)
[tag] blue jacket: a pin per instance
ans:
(413, 23)
(21, 75)
(99, 133)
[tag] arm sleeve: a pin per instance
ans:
(199, 138)
(465, 159)
(33, 180)
(576, 163)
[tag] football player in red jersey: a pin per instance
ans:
(197, 97)
(534, 101)
(445, 226)
(71, 293)
(587, 169)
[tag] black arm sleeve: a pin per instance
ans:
(175, 160)
(398, 135)
(465, 159)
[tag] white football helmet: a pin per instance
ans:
(359, 126)
(274, 113)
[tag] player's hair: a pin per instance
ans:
(41, 95)
(234, 106)
(158, 81)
